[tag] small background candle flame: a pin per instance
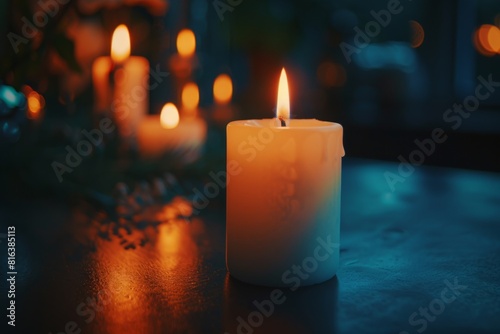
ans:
(283, 105)
(120, 44)
(186, 43)
(190, 97)
(169, 117)
(223, 89)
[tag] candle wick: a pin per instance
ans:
(282, 120)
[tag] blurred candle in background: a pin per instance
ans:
(186, 43)
(158, 135)
(169, 116)
(190, 100)
(223, 110)
(183, 63)
(120, 83)
(223, 89)
(101, 70)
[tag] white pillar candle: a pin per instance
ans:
(283, 200)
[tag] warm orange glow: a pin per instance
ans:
(186, 43)
(283, 105)
(190, 96)
(487, 39)
(331, 74)
(169, 117)
(179, 269)
(418, 34)
(120, 290)
(223, 89)
(494, 39)
(34, 105)
(479, 46)
(120, 44)
(36, 102)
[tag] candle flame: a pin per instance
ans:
(190, 96)
(120, 44)
(283, 105)
(223, 89)
(169, 117)
(186, 43)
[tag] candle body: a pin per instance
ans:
(131, 97)
(187, 139)
(101, 70)
(283, 201)
(123, 89)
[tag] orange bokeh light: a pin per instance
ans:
(418, 34)
(36, 102)
(487, 40)
(186, 43)
(190, 96)
(494, 39)
(223, 89)
(169, 117)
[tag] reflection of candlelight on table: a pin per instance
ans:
(119, 294)
(223, 111)
(120, 82)
(157, 135)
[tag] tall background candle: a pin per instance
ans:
(283, 199)
(120, 84)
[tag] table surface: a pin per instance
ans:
(425, 257)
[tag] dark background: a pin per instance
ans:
(393, 91)
(398, 248)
